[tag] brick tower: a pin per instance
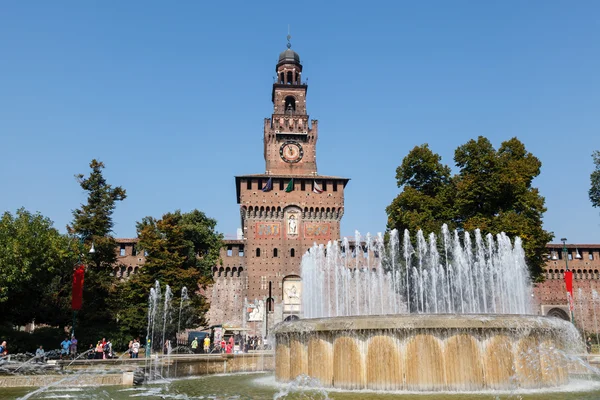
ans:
(289, 207)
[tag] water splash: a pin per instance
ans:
(475, 274)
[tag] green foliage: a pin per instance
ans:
(182, 250)
(93, 223)
(595, 181)
(35, 263)
(21, 342)
(426, 202)
(492, 191)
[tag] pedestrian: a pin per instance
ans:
(65, 345)
(40, 355)
(130, 349)
(99, 351)
(206, 344)
(195, 345)
(3, 349)
(107, 349)
(588, 344)
(167, 347)
(91, 352)
(135, 348)
(223, 345)
(73, 347)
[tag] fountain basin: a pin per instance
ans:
(427, 352)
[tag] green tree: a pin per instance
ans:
(182, 249)
(36, 265)
(492, 191)
(595, 180)
(93, 223)
(426, 200)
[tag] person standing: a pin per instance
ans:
(3, 349)
(73, 347)
(65, 345)
(195, 345)
(130, 347)
(135, 348)
(206, 344)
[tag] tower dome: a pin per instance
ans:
(289, 56)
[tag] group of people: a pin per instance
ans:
(245, 344)
(68, 348)
(101, 351)
(134, 348)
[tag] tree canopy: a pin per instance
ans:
(492, 191)
(182, 249)
(36, 262)
(595, 180)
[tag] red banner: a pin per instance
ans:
(77, 295)
(569, 284)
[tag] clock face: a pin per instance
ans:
(291, 152)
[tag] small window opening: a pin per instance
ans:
(229, 251)
(275, 252)
(241, 251)
(324, 187)
(249, 184)
(122, 252)
(302, 186)
(290, 104)
(334, 186)
(292, 253)
(257, 252)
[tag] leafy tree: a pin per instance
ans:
(425, 202)
(492, 191)
(182, 249)
(595, 181)
(93, 223)
(35, 263)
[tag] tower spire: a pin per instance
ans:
(289, 45)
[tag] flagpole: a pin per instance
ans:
(571, 300)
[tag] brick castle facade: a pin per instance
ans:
(290, 206)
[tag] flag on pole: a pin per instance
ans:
(268, 186)
(317, 188)
(569, 284)
(77, 293)
(290, 186)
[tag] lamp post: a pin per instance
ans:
(568, 278)
(77, 290)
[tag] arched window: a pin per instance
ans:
(221, 270)
(227, 270)
(292, 253)
(290, 78)
(290, 104)
(258, 252)
(275, 252)
(240, 269)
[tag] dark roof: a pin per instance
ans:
(289, 56)
(282, 176)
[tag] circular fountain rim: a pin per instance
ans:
(421, 321)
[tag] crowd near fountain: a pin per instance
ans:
(447, 313)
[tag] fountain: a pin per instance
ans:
(446, 315)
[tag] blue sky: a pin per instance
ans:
(172, 96)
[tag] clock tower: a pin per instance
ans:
(289, 138)
(283, 211)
